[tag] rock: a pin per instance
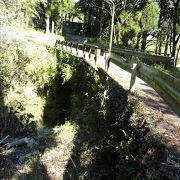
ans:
(24, 157)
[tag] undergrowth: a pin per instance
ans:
(111, 139)
(25, 69)
(172, 71)
(102, 108)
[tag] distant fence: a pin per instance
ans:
(166, 60)
(166, 85)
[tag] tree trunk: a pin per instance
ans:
(157, 43)
(65, 17)
(166, 45)
(174, 30)
(175, 61)
(89, 33)
(138, 40)
(47, 26)
(144, 39)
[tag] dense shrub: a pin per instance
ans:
(25, 70)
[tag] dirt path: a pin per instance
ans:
(151, 97)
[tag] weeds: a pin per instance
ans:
(172, 71)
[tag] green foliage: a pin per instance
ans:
(30, 7)
(59, 10)
(129, 28)
(67, 132)
(18, 13)
(133, 20)
(65, 66)
(123, 149)
(149, 16)
(92, 10)
(25, 69)
(172, 71)
(97, 101)
(105, 36)
(87, 89)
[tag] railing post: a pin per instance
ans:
(76, 49)
(71, 47)
(97, 53)
(66, 45)
(107, 61)
(84, 49)
(62, 44)
(133, 75)
(56, 44)
(59, 44)
(89, 52)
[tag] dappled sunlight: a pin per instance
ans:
(97, 130)
(62, 117)
(56, 159)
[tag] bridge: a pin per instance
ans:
(164, 84)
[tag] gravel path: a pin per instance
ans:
(150, 96)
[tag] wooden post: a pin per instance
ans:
(97, 53)
(71, 47)
(77, 49)
(66, 45)
(52, 28)
(84, 49)
(62, 44)
(90, 52)
(133, 75)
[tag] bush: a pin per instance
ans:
(25, 69)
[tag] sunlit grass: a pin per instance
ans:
(66, 133)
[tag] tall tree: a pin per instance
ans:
(127, 28)
(58, 11)
(92, 10)
(15, 8)
(148, 21)
(170, 10)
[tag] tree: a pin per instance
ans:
(92, 10)
(58, 11)
(30, 9)
(170, 12)
(13, 9)
(128, 14)
(148, 21)
(127, 28)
